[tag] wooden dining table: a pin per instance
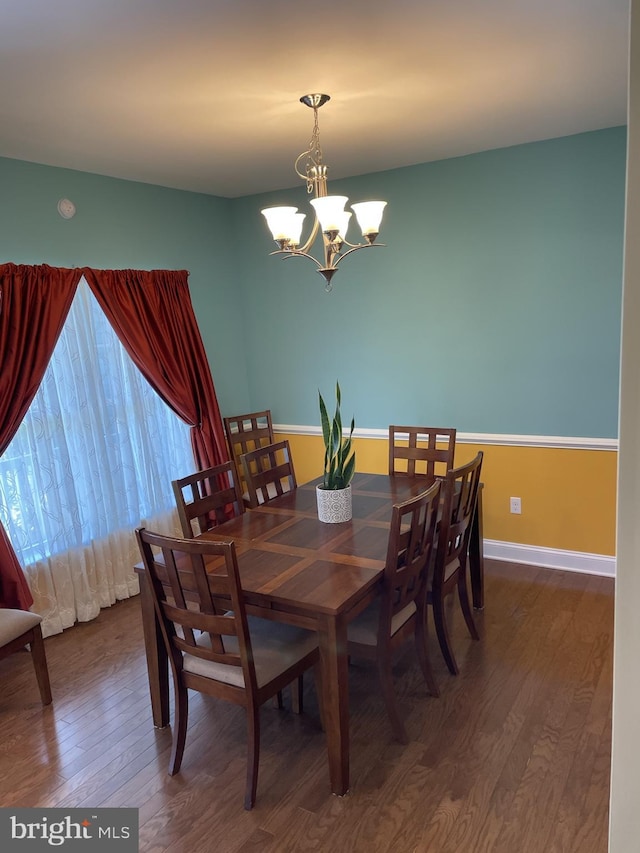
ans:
(301, 571)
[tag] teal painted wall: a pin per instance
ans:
(122, 224)
(495, 305)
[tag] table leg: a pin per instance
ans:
(476, 556)
(332, 636)
(157, 661)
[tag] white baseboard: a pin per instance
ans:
(551, 558)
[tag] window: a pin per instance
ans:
(97, 450)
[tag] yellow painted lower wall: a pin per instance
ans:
(568, 495)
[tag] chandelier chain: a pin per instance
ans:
(313, 155)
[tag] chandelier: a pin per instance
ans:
(285, 223)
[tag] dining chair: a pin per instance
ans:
(268, 472)
(460, 493)
(400, 611)
(416, 450)
(208, 498)
(214, 647)
(245, 433)
(19, 628)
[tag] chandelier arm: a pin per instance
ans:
(312, 237)
(353, 245)
(355, 249)
(289, 253)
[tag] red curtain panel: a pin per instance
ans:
(152, 314)
(34, 303)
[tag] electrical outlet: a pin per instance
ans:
(515, 506)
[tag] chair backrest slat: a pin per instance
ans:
(460, 493)
(247, 432)
(182, 573)
(208, 497)
(409, 553)
(268, 472)
(417, 451)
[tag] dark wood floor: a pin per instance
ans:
(513, 757)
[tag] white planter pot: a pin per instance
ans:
(334, 505)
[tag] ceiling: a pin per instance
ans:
(204, 94)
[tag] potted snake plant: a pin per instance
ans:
(334, 493)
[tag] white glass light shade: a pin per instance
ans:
(296, 224)
(282, 222)
(330, 211)
(344, 224)
(369, 215)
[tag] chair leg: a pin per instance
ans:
(317, 677)
(389, 695)
(253, 755)
(181, 714)
(443, 634)
(40, 665)
(422, 650)
(296, 697)
(463, 596)
(297, 689)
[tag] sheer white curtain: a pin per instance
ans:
(92, 460)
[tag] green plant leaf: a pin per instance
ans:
(324, 420)
(344, 451)
(336, 436)
(349, 470)
(339, 456)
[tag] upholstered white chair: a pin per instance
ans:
(19, 628)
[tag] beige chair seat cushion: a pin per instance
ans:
(364, 628)
(13, 623)
(275, 646)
